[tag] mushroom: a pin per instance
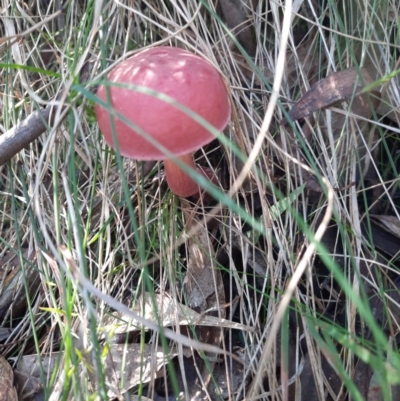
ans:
(187, 78)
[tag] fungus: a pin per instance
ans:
(188, 79)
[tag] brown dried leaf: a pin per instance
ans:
(309, 388)
(12, 290)
(234, 13)
(238, 61)
(28, 375)
(170, 313)
(4, 333)
(204, 286)
(375, 392)
(302, 58)
(203, 281)
(131, 364)
(339, 86)
(362, 377)
(227, 380)
(382, 239)
(7, 389)
(387, 310)
(141, 365)
(390, 223)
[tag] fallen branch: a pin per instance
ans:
(20, 136)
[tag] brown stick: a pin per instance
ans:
(20, 136)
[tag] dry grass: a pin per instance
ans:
(127, 234)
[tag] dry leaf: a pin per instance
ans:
(141, 365)
(170, 313)
(302, 58)
(12, 290)
(27, 372)
(383, 311)
(382, 239)
(339, 86)
(362, 377)
(131, 364)
(390, 223)
(204, 286)
(7, 389)
(226, 386)
(234, 12)
(309, 388)
(203, 280)
(4, 333)
(375, 392)
(347, 85)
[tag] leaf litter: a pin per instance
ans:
(343, 85)
(341, 106)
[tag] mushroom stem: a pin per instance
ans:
(178, 181)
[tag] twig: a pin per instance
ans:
(20, 136)
(30, 30)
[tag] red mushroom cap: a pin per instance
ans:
(187, 78)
